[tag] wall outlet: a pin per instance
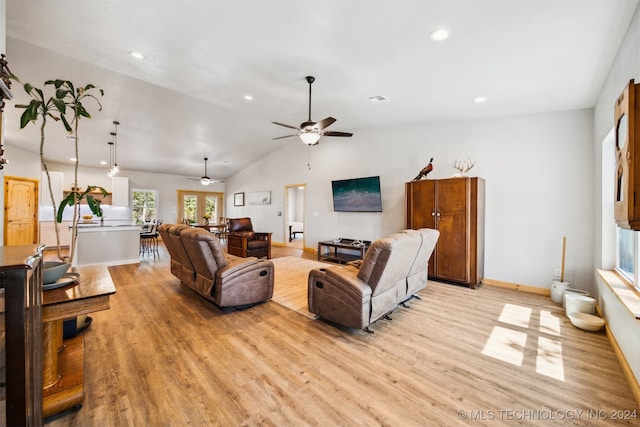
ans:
(558, 272)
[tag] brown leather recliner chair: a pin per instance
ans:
(242, 241)
(200, 263)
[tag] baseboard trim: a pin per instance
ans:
(626, 369)
(517, 287)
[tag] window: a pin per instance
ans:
(621, 248)
(144, 206)
(628, 256)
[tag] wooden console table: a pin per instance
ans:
(63, 362)
(343, 251)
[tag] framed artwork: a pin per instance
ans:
(238, 199)
(260, 198)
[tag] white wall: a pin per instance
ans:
(539, 181)
(620, 322)
(296, 204)
(626, 66)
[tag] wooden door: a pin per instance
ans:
(452, 251)
(421, 204)
(421, 211)
(20, 211)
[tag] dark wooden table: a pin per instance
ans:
(342, 251)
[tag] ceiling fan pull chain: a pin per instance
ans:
(309, 157)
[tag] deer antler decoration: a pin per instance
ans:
(463, 166)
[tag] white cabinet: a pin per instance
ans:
(48, 233)
(57, 179)
(120, 196)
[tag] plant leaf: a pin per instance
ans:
(92, 203)
(25, 119)
(67, 126)
(39, 92)
(60, 105)
(66, 201)
(61, 93)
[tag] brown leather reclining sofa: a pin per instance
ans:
(197, 259)
(393, 270)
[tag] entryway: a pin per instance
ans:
(294, 226)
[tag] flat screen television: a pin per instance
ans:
(357, 195)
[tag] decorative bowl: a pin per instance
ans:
(586, 321)
(53, 270)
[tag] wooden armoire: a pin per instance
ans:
(455, 207)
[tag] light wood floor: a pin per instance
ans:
(163, 356)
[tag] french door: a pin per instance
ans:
(194, 205)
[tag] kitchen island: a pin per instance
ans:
(111, 244)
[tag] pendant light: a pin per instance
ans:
(115, 167)
(205, 180)
(110, 173)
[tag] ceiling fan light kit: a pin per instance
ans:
(310, 132)
(310, 138)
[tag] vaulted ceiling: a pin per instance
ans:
(186, 99)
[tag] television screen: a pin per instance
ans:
(357, 195)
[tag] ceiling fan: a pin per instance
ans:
(310, 131)
(205, 180)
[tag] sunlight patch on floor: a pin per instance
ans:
(549, 324)
(515, 315)
(549, 358)
(506, 345)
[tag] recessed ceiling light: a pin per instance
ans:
(439, 34)
(378, 98)
(103, 162)
(136, 55)
(73, 159)
(248, 97)
(480, 99)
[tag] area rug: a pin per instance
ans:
(290, 287)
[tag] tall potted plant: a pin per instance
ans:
(66, 98)
(73, 99)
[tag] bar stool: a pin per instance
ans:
(149, 240)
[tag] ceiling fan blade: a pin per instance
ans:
(332, 133)
(324, 123)
(286, 136)
(287, 126)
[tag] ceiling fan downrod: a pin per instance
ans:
(310, 80)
